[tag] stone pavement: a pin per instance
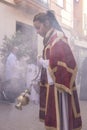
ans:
(83, 105)
(27, 119)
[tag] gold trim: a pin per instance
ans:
(63, 88)
(73, 71)
(52, 71)
(71, 86)
(47, 47)
(74, 88)
(65, 66)
(57, 109)
(50, 46)
(73, 77)
(74, 108)
(47, 93)
(78, 128)
(59, 36)
(50, 128)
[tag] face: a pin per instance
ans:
(40, 28)
(15, 50)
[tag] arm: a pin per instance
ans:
(62, 66)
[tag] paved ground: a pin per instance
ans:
(83, 105)
(13, 119)
(27, 119)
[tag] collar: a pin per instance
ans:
(48, 35)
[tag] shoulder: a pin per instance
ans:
(60, 40)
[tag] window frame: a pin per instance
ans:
(58, 2)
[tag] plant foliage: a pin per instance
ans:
(23, 42)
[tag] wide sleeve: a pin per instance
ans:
(62, 66)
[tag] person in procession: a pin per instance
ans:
(59, 104)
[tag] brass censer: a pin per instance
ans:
(23, 99)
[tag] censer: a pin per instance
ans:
(23, 99)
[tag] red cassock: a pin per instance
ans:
(62, 68)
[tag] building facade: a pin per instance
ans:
(15, 13)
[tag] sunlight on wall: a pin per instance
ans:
(67, 14)
(85, 16)
(10, 1)
(85, 6)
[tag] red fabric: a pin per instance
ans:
(51, 110)
(60, 52)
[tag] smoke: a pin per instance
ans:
(25, 39)
(26, 7)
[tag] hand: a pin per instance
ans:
(39, 56)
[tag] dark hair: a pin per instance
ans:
(50, 16)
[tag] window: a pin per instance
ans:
(60, 3)
(28, 38)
